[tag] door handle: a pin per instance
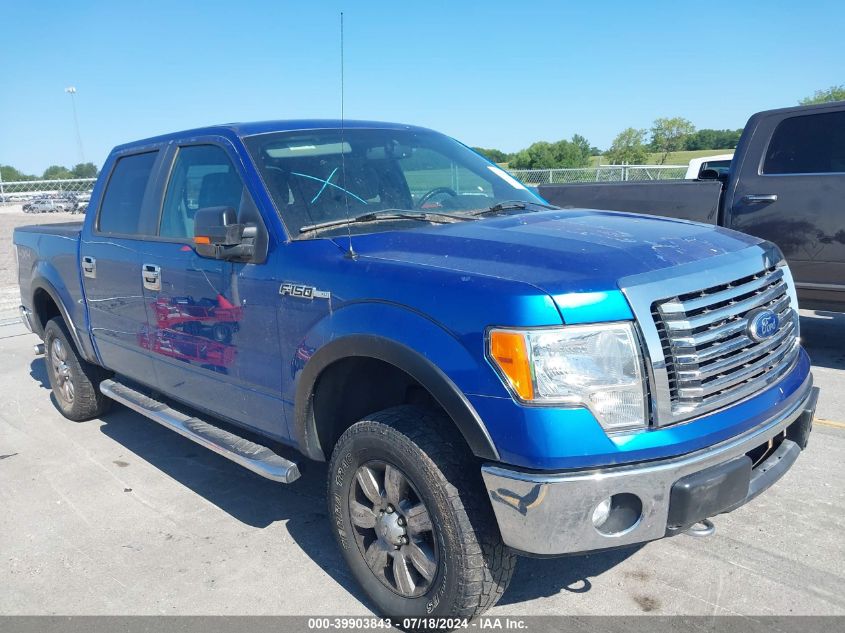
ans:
(151, 275)
(89, 267)
(760, 198)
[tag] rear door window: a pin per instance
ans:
(120, 211)
(809, 144)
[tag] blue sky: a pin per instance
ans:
(497, 74)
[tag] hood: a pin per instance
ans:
(560, 251)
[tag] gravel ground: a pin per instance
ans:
(12, 216)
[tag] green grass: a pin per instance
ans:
(675, 158)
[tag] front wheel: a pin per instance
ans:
(412, 517)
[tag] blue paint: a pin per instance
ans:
(434, 290)
(554, 438)
(593, 307)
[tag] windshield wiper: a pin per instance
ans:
(508, 205)
(387, 215)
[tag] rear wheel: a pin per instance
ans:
(222, 333)
(413, 519)
(75, 381)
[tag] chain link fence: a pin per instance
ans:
(603, 173)
(23, 190)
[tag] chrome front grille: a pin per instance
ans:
(711, 360)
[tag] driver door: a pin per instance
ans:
(212, 323)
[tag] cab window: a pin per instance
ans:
(120, 211)
(325, 176)
(810, 144)
(720, 166)
(202, 176)
(426, 166)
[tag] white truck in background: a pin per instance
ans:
(720, 163)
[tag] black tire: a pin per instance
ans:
(472, 567)
(75, 381)
(222, 333)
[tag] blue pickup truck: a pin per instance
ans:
(487, 375)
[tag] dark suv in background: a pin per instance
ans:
(786, 184)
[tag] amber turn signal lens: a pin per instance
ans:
(199, 239)
(510, 353)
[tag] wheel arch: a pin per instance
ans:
(404, 359)
(46, 304)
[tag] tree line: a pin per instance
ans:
(631, 146)
(666, 135)
(53, 172)
(634, 146)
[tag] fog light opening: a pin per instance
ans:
(618, 514)
(601, 512)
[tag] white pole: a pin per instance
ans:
(71, 90)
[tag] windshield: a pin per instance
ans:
(407, 170)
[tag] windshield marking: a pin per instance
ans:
(326, 182)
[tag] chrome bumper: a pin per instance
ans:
(26, 317)
(548, 515)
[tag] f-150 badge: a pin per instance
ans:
(302, 291)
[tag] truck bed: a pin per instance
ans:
(683, 199)
(64, 229)
(49, 253)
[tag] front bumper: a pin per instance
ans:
(552, 514)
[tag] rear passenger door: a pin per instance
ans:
(111, 264)
(212, 329)
(795, 195)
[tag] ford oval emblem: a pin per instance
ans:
(762, 325)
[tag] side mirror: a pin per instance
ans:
(217, 234)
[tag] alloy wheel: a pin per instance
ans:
(61, 370)
(393, 529)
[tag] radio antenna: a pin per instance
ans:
(351, 252)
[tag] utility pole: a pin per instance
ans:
(71, 90)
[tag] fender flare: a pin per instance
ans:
(445, 392)
(43, 284)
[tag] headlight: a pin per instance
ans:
(596, 366)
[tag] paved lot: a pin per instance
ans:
(121, 516)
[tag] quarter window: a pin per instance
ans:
(203, 176)
(120, 211)
(810, 144)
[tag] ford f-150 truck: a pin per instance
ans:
(785, 184)
(486, 375)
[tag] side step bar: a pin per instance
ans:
(255, 457)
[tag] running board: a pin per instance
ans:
(255, 457)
